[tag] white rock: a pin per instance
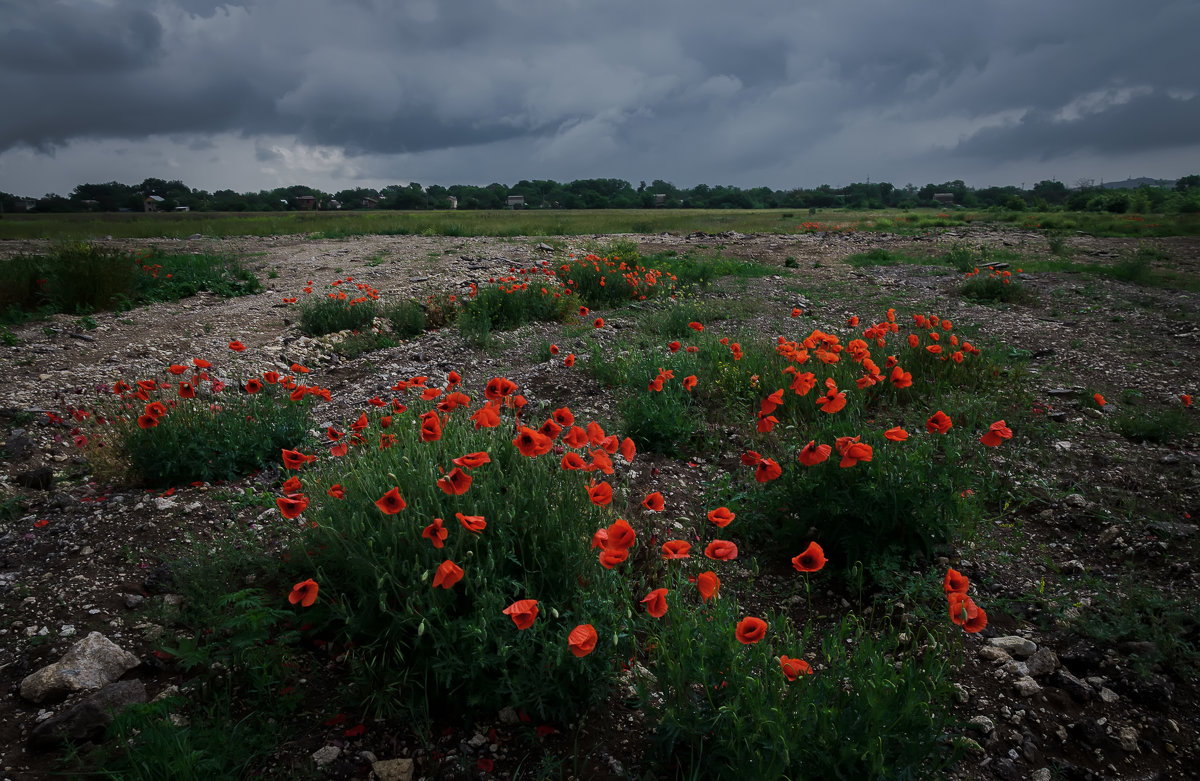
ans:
(323, 756)
(92, 663)
(1014, 645)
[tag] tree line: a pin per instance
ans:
(1183, 196)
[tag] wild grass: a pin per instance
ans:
(548, 223)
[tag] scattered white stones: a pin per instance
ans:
(323, 756)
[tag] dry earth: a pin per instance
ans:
(1091, 512)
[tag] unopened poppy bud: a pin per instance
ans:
(470, 554)
(425, 576)
(554, 613)
(615, 641)
(421, 628)
(394, 478)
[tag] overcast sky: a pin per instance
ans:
(784, 93)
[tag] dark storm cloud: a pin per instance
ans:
(575, 87)
(60, 38)
(1143, 122)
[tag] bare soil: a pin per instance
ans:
(1091, 512)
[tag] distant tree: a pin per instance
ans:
(1185, 183)
(1051, 191)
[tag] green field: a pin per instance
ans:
(570, 223)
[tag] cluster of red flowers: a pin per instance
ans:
(963, 610)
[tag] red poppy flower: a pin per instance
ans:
(339, 450)
(455, 483)
(598, 322)
(294, 459)
(750, 630)
(473, 523)
(620, 535)
(697, 327)
(391, 502)
(955, 582)
(611, 557)
(498, 388)
(653, 502)
(813, 454)
(200, 363)
(473, 460)
(583, 311)
(721, 550)
(304, 593)
(563, 417)
(431, 427)
(674, 347)
(40, 523)
(147, 421)
(855, 452)
(336, 491)
(486, 417)
(554, 349)
(252, 386)
(237, 346)
(721, 516)
(522, 612)
(804, 382)
(939, 423)
(628, 450)
(435, 533)
(767, 470)
(896, 434)
(996, 433)
(833, 400)
(186, 390)
(656, 602)
(569, 361)
(175, 369)
(811, 560)
(689, 382)
(793, 668)
(796, 312)
(965, 613)
(582, 640)
(573, 461)
(291, 485)
(550, 429)
(599, 493)
(448, 573)
(532, 443)
(292, 506)
(1186, 399)
(709, 584)
(676, 549)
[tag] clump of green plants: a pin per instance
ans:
(320, 315)
(736, 696)
(511, 304)
(407, 318)
(453, 559)
(994, 287)
(1154, 425)
(182, 429)
(83, 277)
(1140, 613)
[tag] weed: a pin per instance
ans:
(321, 315)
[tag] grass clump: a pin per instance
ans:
(1155, 425)
(330, 314)
(80, 278)
(511, 304)
(860, 705)
(993, 288)
(516, 526)
(178, 431)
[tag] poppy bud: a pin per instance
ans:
(425, 576)
(421, 628)
(553, 613)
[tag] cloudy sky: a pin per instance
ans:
(257, 94)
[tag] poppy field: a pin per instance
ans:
(649, 507)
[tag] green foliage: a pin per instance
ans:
(224, 436)
(321, 314)
(1154, 425)
(994, 289)
(871, 709)
(1139, 612)
(504, 308)
(428, 651)
(407, 318)
(664, 421)
(83, 278)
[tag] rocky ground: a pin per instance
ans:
(1094, 518)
